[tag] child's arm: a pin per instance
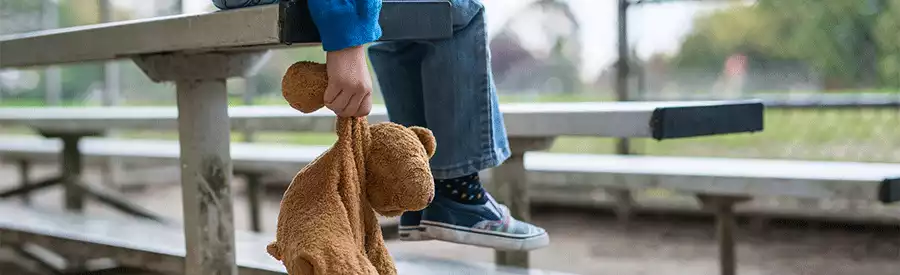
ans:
(346, 23)
(344, 26)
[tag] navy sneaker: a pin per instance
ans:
(410, 227)
(488, 225)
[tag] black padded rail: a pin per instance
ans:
(399, 20)
(690, 121)
(890, 191)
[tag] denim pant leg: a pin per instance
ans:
(447, 86)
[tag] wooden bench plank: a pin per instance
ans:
(660, 120)
(160, 248)
(743, 177)
(238, 29)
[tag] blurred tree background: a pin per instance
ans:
(849, 44)
(811, 45)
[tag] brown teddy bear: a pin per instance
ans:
(327, 223)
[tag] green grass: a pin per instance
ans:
(17, 102)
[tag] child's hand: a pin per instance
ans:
(349, 92)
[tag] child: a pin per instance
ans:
(445, 85)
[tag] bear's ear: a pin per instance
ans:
(303, 86)
(427, 139)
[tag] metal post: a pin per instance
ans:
(723, 208)
(508, 178)
(110, 96)
(622, 68)
(624, 204)
(623, 198)
(71, 174)
(510, 186)
(254, 191)
(725, 235)
(177, 7)
(249, 96)
(52, 74)
(24, 171)
(111, 82)
(204, 135)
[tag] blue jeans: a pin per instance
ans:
(444, 85)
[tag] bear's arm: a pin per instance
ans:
(376, 249)
(313, 227)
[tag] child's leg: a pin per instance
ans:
(447, 86)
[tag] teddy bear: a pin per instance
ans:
(327, 224)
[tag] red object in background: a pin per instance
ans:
(736, 65)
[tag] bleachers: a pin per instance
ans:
(198, 52)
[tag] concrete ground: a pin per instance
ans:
(590, 242)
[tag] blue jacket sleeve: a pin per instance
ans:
(346, 23)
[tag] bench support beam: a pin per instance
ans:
(71, 173)
(26, 190)
(42, 263)
(254, 194)
(206, 177)
(75, 189)
(723, 208)
(510, 186)
(24, 172)
(205, 136)
(624, 205)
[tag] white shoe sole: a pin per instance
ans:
(484, 238)
(413, 234)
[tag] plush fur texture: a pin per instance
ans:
(327, 223)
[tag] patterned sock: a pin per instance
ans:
(465, 189)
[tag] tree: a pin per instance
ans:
(887, 37)
(835, 37)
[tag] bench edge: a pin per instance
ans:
(690, 121)
(889, 191)
(399, 20)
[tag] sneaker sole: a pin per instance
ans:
(484, 238)
(413, 233)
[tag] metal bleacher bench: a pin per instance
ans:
(250, 160)
(718, 183)
(199, 52)
(530, 127)
(875, 182)
(142, 245)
